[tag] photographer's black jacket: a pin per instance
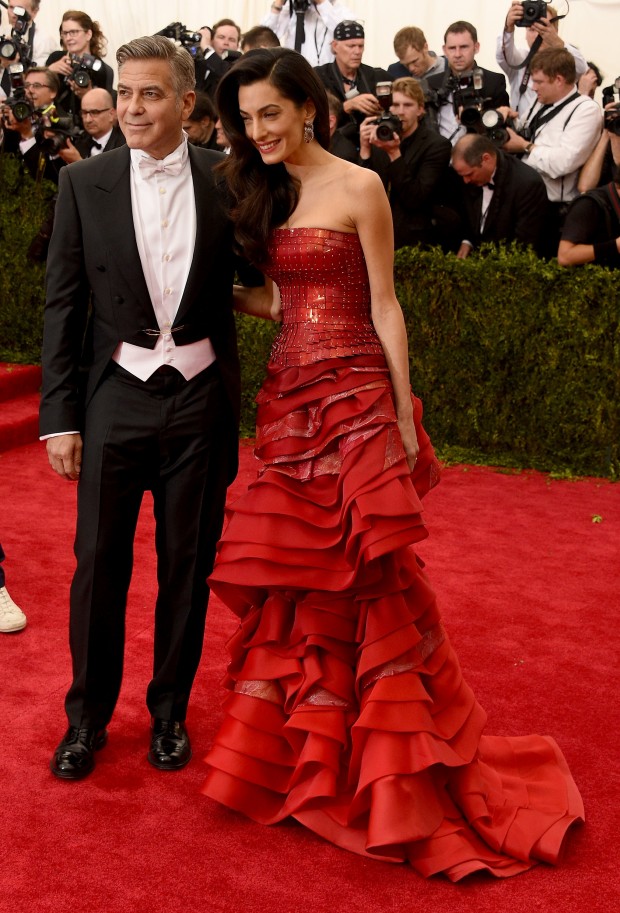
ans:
(367, 79)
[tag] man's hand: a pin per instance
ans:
(368, 138)
(365, 103)
(463, 251)
(68, 153)
(65, 455)
(513, 15)
(549, 35)
(514, 143)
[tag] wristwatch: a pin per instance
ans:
(528, 148)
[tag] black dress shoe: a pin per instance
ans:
(75, 756)
(170, 748)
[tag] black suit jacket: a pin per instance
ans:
(414, 182)
(84, 143)
(518, 208)
(493, 86)
(94, 262)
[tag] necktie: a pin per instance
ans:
(172, 165)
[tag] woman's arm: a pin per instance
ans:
(260, 301)
(373, 220)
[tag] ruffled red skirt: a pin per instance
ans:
(347, 708)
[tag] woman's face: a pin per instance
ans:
(75, 39)
(273, 123)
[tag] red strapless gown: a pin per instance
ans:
(347, 708)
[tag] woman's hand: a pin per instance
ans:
(410, 440)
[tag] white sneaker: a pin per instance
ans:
(11, 616)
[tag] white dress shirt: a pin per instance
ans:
(510, 58)
(562, 144)
(319, 24)
(164, 218)
(102, 142)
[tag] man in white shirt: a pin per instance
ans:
(514, 61)
(319, 20)
(560, 132)
(39, 45)
(139, 303)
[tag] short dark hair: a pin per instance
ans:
(221, 22)
(203, 107)
(53, 80)
(471, 147)
(461, 26)
(261, 36)
(555, 62)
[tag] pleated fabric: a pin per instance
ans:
(346, 706)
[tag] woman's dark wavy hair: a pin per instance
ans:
(264, 196)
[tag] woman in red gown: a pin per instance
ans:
(347, 709)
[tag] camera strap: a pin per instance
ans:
(544, 115)
(526, 64)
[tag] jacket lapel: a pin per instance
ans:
(116, 218)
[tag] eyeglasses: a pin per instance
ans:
(94, 112)
(37, 85)
(71, 33)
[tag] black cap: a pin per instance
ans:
(348, 29)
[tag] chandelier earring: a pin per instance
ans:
(308, 131)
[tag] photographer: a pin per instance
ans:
(540, 25)
(560, 133)
(411, 160)
(101, 130)
(352, 81)
(80, 64)
(591, 232)
(598, 169)
(23, 137)
(320, 18)
(501, 199)
(463, 83)
(414, 57)
(39, 44)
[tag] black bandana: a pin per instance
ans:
(348, 29)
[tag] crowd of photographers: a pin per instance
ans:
(467, 155)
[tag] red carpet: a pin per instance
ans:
(529, 588)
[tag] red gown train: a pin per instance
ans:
(347, 708)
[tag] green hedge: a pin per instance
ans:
(23, 208)
(517, 360)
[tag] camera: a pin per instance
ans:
(387, 123)
(18, 100)
(611, 95)
(60, 128)
(533, 11)
(82, 67)
(11, 47)
(178, 33)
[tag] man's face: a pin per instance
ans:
(475, 174)
(199, 131)
(149, 112)
(348, 54)
(38, 89)
(98, 114)
(225, 38)
(417, 62)
(549, 89)
(408, 112)
(25, 4)
(460, 50)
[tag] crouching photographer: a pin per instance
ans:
(411, 159)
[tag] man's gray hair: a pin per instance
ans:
(156, 47)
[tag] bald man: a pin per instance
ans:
(101, 130)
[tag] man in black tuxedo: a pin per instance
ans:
(142, 241)
(503, 199)
(101, 130)
(448, 90)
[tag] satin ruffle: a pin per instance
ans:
(347, 707)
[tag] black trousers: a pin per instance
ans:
(173, 437)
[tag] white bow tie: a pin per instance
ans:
(149, 166)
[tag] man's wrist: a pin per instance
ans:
(276, 7)
(528, 148)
